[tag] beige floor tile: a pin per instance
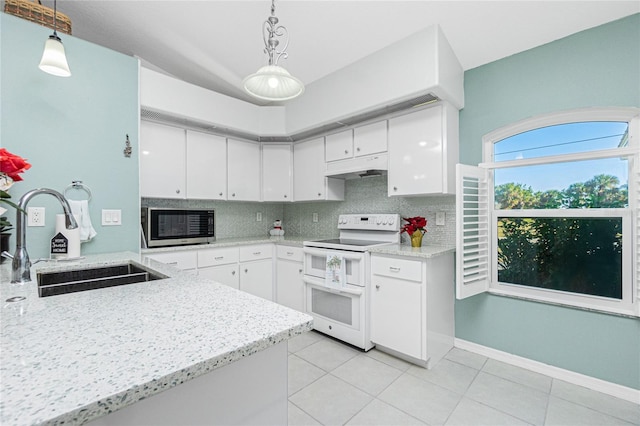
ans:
(469, 412)
(367, 374)
(519, 375)
(563, 413)
(448, 374)
(297, 417)
(327, 354)
(301, 373)
(330, 400)
(378, 413)
(466, 358)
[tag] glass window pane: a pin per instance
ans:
(567, 138)
(576, 255)
(601, 183)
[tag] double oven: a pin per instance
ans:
(340, 307)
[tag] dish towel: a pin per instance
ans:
(81, 210)
(336, 274)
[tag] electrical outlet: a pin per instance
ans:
(315, 217)
(111, 217)
(440, 218)
(259, 217)
(35, 216)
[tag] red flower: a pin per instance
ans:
(415, 224)
(12, 165)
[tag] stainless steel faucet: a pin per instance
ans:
(21, 265)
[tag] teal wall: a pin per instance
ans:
(71, 129)
(597, 67)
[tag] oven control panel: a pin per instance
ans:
(377, 222)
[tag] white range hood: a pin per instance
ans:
(360, 167)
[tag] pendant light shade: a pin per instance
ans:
(54, 60)
(272, 82)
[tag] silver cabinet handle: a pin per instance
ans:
(289, 253)
(346, 151)
(285, 195)
(220, 194)
(358, 149)
(172, 263)
(256, 253)
(299, 271)
(233, 272)
(177, 191)
(246, 270)
(395, 188)
(233, 195)
(394, 269)
(377, 286)
(219, 257)
(319, 194)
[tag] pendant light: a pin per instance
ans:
(54, 60)
(272, 82)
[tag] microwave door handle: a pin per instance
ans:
(324, 252)
(319, 283)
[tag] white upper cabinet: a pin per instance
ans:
(423, 151)
(276, 172)
(243, 170)
(162, 161)
(309, 180)
(206, 166)
(370, 139)
(339, 145)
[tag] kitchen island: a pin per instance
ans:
(77, 357)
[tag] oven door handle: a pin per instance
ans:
(318, 282)
(328, 252)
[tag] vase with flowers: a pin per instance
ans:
(416, 228)
(11, 166)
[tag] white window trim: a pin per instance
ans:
(630, 302)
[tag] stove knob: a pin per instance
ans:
(378, 220)
(391, 220)
(384, 221)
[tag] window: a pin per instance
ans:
(552, 214)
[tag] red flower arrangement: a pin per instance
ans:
(414, 224)
(11, 166)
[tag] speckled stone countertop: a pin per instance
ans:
(78, 356)
(424, 252)
(231, 242)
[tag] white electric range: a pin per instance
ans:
(340, 306)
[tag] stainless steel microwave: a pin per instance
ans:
(174, 227)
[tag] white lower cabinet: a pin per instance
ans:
(221, 265)
(412, 304)
(289, 283)
(256, 278)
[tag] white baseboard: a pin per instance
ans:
(613, 389)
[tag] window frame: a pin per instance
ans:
(629, 304)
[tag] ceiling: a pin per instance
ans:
(215, 44)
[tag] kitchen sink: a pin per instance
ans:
(54, 283)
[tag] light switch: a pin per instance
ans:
(111, 217)
(440, 218)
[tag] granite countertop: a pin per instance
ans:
(231, 242)
(424, 252)
(78, 356)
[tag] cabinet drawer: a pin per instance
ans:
(215, 257)
(403, 269)
(289, 253)
(180, 259)
(256, 252)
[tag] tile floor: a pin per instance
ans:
(334, 384)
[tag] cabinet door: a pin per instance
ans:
(370, 139)
(309, 181)
(415, 153)
(225, 274)
(396, 315)
(243, 170)
(257, 278)
(206, 166)
(308, 170)
(289, 284)
(162, 161)
(276, 172)
(339, 146)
